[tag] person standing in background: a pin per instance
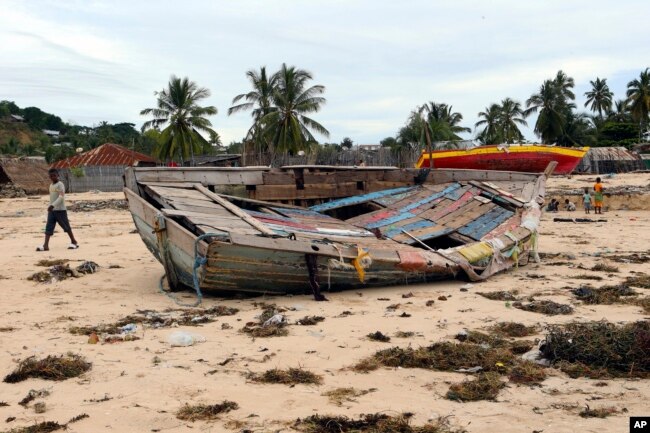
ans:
(57, 213)
(598, 196)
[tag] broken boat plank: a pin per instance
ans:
(235, 210)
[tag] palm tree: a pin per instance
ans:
(287, 125)
(638, 99)
(511, 116)
(443, 120)
(564, 84)
(260, 98)
(620, 113)
(178, 108)
(260, 101)
(490, 119)
(600, 97)
(551, 117)
(579, 130)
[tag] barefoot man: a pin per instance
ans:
(56, 213)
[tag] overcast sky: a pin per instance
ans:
(89, 61)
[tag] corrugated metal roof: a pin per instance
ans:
(29, 174)
(106, 154)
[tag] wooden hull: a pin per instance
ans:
(265, 250)
(531, 159)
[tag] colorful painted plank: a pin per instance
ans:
(349, 201)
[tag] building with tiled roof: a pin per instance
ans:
(101, 168)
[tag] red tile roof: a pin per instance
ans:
(106, 154)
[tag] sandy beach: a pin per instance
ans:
(138, 386)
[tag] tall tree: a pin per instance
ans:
(512, 115)
(287, 124)
(599, 97)
(177, 108)
(564, 84)
(550, 106)
(490, 121)
(444, 123)
(638, 99)
(260, 101)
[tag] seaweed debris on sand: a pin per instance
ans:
(500, 295)
(290, 376)
(61, 272)
(49, 368)
(599, 349)
(378, 336)
(513, 329)
(544, 306)
(371, 423)
(485, 386)
(445, 356)
(155, 319)
(338, 396)
(205, 412)
(603, 295)
(310, 320)
(270, 323)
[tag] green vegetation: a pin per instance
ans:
(280, 105)
(178, 109)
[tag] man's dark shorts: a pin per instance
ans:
(57, 216)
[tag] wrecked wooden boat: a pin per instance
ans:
(300, 229)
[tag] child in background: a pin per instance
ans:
(586, 199)
(598, 197)
(569, 206)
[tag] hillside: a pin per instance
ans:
(21, 133)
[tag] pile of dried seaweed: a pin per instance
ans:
(309, 320)
(370, 423)
(378, 336)
(155, 319)
(338, 396)
(485, 386)
(270, 323)
(513, 329)
(49, 368)
(443, 356)
(500, 295)
(61, 272)
(640, 280)
(544, 306)
(290, 376)
(600, 349)
(205, 412)
(603, 295)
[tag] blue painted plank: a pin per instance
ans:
(456, 194)
(357, 199)
(432, 197)
(496, 222)
(408, 227)
(472, 226)
(486, 223)
(389, 221)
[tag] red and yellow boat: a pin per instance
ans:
(532, 158)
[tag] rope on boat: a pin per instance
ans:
(199, 262)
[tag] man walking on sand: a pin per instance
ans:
(56, 213)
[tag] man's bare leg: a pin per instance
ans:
(46, 244)
(72, 239)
